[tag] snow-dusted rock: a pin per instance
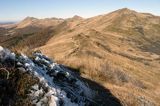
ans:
(6, 54)
(57, 85)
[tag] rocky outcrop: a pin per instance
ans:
(55, 85)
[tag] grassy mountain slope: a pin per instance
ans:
(119, 50)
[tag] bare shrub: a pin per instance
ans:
(14, 89)
(117, 76)
(112, 74)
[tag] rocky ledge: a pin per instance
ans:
(39, 81)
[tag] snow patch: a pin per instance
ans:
(57, 86)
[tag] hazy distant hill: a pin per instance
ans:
(119, 50)
(34, 22)
(5, 23)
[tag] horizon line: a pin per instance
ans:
(14, 21)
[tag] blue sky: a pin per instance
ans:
(14, 10)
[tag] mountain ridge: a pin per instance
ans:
(119, 50)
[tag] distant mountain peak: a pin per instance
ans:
(77, 17)
(126, 11)
(30, 18)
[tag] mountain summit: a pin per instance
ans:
(119, 50)
(126, 10)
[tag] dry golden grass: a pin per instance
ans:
(113, 50)
(14, 89)
(105, 64)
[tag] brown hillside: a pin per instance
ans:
(119, 50)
